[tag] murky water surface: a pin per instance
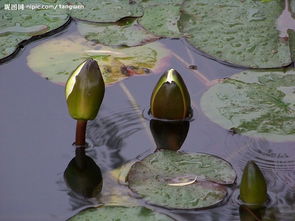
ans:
(36, 134)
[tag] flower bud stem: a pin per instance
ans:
(80, 132)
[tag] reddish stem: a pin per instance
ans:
(80, 132)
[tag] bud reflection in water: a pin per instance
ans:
(83, 176)
(169, 134)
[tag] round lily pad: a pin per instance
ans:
(255, 103)
(180, 180)
(19, 23)
(57, 58)
(114, 34)
(117, 213)
(239, 32)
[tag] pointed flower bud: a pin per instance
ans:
(253, 188)
(85, 90)
(170, 98)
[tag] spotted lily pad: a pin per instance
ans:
(17, 25)
(112, 213)
(181, 181)
(255, 103)
(105, 10)
(239, 32)
(57, 58)
(114, 34)
(162, 20)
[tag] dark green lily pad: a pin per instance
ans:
(255, 103)
(181, 181)
(19, 25)
(105, 10)
(113, 34)
(117, 213)
(162, 20)
(239, 32)
(57, 58)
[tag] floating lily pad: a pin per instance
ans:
(57, 58)
(181, 181)
(291, 35)
(105, 10)
(19, 25)
(254, 103)
(239, 32)
(162, 20)
(116, 213)
(114, 34)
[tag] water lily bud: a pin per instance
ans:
(83, 176)
(253, 188)
(85, 90)
(170, 98)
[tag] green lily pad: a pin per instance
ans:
(56, 59)
(255, 103)
(19, 25)
(291, 35)
(114, 34)
(162, 20)
(239, 32)
(181, 181)
(106, 10)
(117, 213)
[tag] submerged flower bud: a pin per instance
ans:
(85, 90)
(170, 98)
(253, 188)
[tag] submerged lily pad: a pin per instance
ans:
(114, 34)
(57, 58)
(19, 25)
(181, 181)
(239, 32)
(105, 10)
(112, 213)
(162, 20)
(255, 103)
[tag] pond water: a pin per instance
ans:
(36, 136)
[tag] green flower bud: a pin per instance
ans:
(253, 188)
(170, 98)
(85, 90)
(83, 176)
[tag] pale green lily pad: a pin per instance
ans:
(162, 20)
(254, 103)
(113, 34)
(117, 213)
(105, 10)
(57, 58)
(181, 181)
(148, 3)
(291, 34)
(19, 25)
(239, 32)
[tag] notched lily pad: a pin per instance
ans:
(111, 213)
(19, 25)
(255, 103)
(114, 34)
(105, 10)
(239, 32)
(56, 59)
(181, 181)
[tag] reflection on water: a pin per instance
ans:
(83, 176)
(169, 134)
